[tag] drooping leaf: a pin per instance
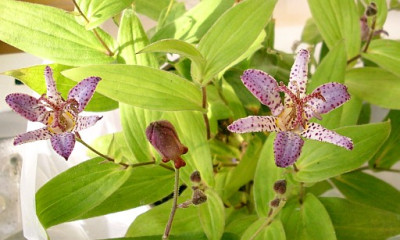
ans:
(231, 35)
(49, 33)
(145, 185)
(76, 191)
(273, 231)
(369, 190)
(375, 85)
(192, 25)
(97, 11)
(389, 153)
(331, 69)
(142, 86)
(33, 77)
(338, 21)
(212, 215)
(384, 52)
(267, 173)
(319, 161)
(185, 220)
(308, 220)
(192, 133)
(360, 222)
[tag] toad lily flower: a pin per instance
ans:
(291, 120)
(60, 116)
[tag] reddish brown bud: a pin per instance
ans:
(165, 140)
(372, 10)
(280, 186)
(195, 177)
(198, 197)
(275, 203)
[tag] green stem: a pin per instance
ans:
(270, 218)
(109, 52)
(174, 206)
(204, 105)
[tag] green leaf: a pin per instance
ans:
(182, 48)
(351, 110)
(366, 189)
(151, 9)
(115, 146)
(308, 220)
(192, 133)
(142, 86)
(132, 38)
(231, 35)
(192, 25)
(145, 185)
(33, 77)
(98, 11)
(337, 21)
(384, 52)
(310, 33)
(267, 173)
(273, 231)
(365, 114)
(319, 161)
(49, 33)
(212, 215)
(374, 85)
(331, 69)
(76, 191)
(153, 221)
(244, 171)
(389, 153)
(239, 220)
(359, 222)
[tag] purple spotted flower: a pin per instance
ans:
(60, 116)
(291, 119)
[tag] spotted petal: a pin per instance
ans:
(335, 94)
(52, 94)
(254, 124)
(63, 144)
(27, 106)
(317, 132)
(264, 88)
(36, 135)
(84, 122)
(287, 148)
(84, 91)
(298, 73)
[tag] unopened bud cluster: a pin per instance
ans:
(280, 190)
(198, 196)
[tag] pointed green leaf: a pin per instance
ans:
(375, 85)
(76, 191)
(384, 52)
(33, 77)
(49, 33)
(192, 133)
(351, 110)
(192, 25)
(145, 185)
(233, 34)
(308, 220)
(151, 9)
(267, 173)
(273, 231)
(337, 21)
(369, 190)
(319, 161)
(389, 153)
(142, 86)
(359, 222)
(331, 69)
(212, 215)
(98, 11)
(310, 33)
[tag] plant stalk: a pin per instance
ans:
(174, 206)
(204, 105)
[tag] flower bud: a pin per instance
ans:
(371, 10)
(280, 186)
(195, 177)
(162, 135)
(275, 203)
(198, 197)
